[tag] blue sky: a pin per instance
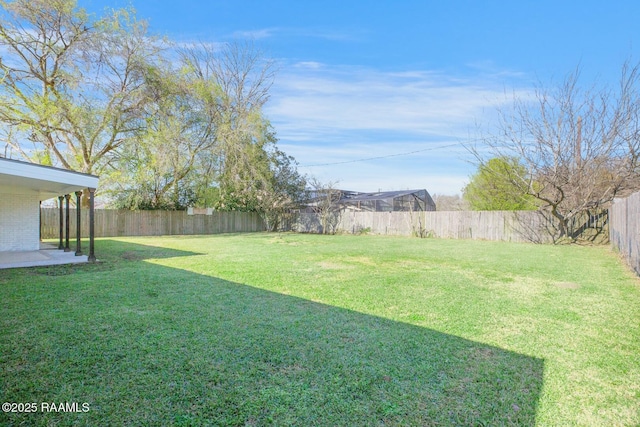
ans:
(362, 83)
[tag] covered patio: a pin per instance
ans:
(23, 186)
(43, 257)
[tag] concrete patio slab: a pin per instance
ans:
(39, 258)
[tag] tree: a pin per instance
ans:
(325, 203)
(231, 84)
(166, 127)
(579, 147)
(72, 86)
(496, 186)
(252, 174)
(283, 189)
(171, 159)
(206, 140)
(259, 177)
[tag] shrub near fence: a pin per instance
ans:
(115, 223)
(624, 229)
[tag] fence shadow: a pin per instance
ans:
(535, 226)
(164, 344)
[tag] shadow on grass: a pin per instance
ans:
(153, 345)
(111, 255)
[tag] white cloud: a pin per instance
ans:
(255, 34)
(293, 32)
(317, 99)
(326, 114)
(309, 64)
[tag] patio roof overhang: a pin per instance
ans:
(47, 181)
(29, 182)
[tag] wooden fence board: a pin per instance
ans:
(114, 223)
(624, 228)
(523, 226)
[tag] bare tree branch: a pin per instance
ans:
(580, 146)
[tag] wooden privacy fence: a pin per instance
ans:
(114, 223)
(512, 226)
(624, 228)
(519, 226)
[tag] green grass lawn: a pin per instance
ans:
(285, 329)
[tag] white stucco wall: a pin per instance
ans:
(20, 225)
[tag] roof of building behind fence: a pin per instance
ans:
(354, 196)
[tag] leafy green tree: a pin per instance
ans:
(206, 140)
(257, 176)
(165, 127)
(497, 186)
(72, 85)
(249, 171)
(170, 159)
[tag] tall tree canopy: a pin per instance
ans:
(73, 87)
(224, 152)
(164, 126)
